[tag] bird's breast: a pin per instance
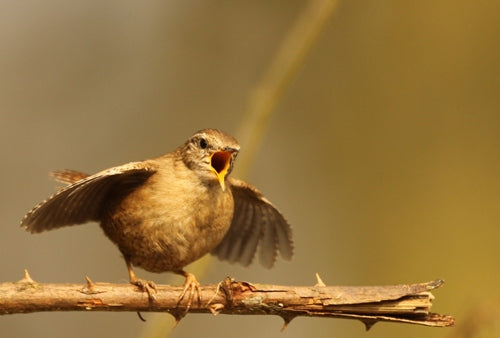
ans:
(170, 222)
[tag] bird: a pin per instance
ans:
(166, 212)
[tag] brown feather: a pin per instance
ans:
(256, 222)
(83, 200)
(68, 176)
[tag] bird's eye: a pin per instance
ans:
(203, 143)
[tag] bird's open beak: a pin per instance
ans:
(220, 162)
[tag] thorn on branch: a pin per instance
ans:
(319, 281)
(369, 323)
(27, 278)
(90, 287)
(178, 315)
(287, 318)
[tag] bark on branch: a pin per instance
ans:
(405, 303)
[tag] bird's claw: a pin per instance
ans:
(146, 286)
(191, 286)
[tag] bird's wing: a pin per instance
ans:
(82, 200)
(256, 222)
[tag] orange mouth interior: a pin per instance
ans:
(220, 161)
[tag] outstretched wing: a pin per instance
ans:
(82, 200)
(256, 222)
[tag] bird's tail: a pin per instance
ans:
(68, 176)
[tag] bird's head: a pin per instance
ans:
(211, 154)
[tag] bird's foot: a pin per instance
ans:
(146, 286)
(191, 286)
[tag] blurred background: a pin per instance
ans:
(383, 152)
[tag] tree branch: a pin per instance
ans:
(370, 304)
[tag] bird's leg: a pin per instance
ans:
(192, 285)
(144, 285)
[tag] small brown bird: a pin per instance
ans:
(167, 212)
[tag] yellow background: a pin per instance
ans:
(383, 153)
